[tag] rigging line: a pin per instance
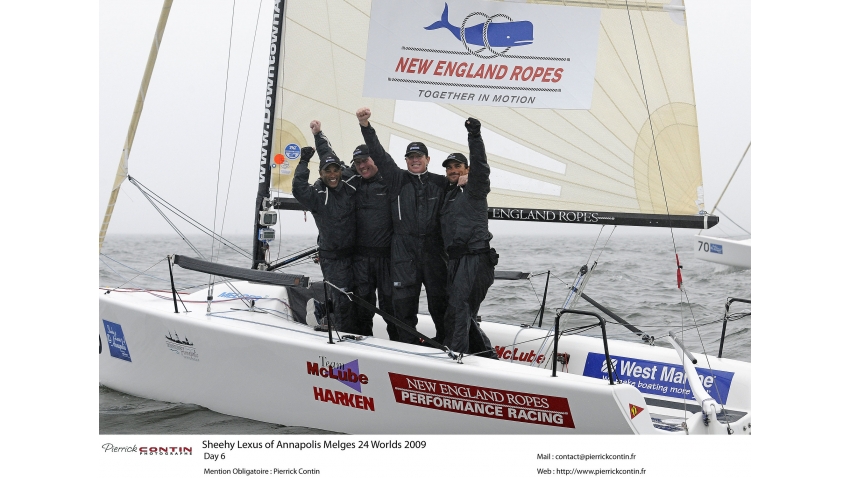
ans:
(304, 260)
(301, 251)
(534, 290)
(651, 127)
(589, 256)
(534, 319)
(135, 270)
(605, 246)
(333, 63)
(187, 241)
(197, 286)
(182, 215)
(126, 281)
(239, 126)
(221, 140)
(730, 220)
(173, 226)
(731, 177)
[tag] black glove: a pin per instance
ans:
(473, 126)
(307, 152)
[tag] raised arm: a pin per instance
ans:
(323, 144)
(479, 170)
(382, 159)
(323, 147)
(306, 195)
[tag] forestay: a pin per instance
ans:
(632, 147)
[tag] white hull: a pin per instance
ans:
(730, 252)
(264, 367)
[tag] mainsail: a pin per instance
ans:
(634, 151)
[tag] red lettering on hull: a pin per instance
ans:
(344, 399)
(346, 375)
(483, 402)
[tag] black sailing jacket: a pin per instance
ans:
(333, 210)
(415, 201)
(374, 225)
(464, 214)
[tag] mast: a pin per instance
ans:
(265, 178)
(123, 164)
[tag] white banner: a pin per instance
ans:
(482, 53)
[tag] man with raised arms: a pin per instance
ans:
(417, 252)
(371, 261)
(331, 202)
(463, 220)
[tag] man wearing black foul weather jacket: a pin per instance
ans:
(371, 261)
(463, 219)
(418, 256)
(332, 204)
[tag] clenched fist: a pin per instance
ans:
(363, 115)
(307, 152)
(316, 126)
(473, 126)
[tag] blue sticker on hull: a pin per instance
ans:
(716, 248)
(659, 378)
(115, 341)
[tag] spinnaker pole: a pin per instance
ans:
(263, 202)
(123, 164)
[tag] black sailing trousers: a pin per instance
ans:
(371, 276)
(469, 277)
(432, 273)
(338, 272)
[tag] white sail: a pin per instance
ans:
(636, 150)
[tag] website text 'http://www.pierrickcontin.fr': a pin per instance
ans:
(589, 471)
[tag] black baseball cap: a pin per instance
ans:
(360, 152)
(416, 148)
(458, 157)
(330, 159)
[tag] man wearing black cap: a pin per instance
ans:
(418, 257)
(371, 262)
(463, 219)
(332, 204)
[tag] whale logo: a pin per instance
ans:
(488, 34)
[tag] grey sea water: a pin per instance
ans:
(635, 278)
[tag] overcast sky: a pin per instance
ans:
(179, 142)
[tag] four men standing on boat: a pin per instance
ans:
(437, 227)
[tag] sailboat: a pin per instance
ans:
(615, 145)
(730, 251)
